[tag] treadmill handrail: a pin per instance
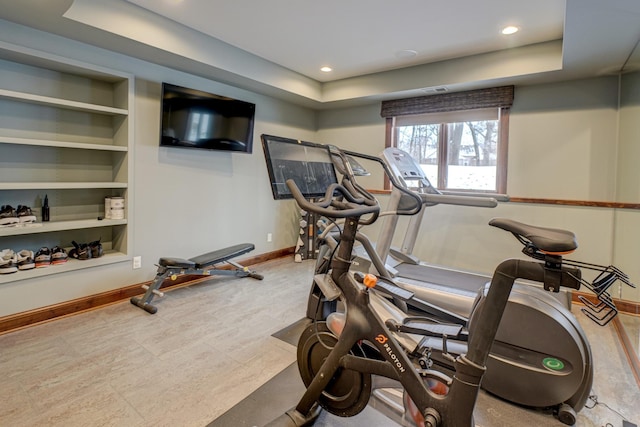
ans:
(498, 196)
(451, 199)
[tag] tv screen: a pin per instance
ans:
(196, 119)
(307, 163)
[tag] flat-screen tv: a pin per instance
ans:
(196, 119)
(307, 163)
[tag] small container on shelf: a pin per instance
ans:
(116, 210)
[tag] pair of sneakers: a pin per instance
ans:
(84, 251)
(10, 261)
(45, 257)
(10, 217)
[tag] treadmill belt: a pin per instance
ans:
(438, 276)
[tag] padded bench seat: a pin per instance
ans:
(206, 260)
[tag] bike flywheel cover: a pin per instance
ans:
(348, 392)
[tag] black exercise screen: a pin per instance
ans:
(307, 163)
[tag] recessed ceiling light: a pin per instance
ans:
(326, 69)
(510, 29)
(406, 53)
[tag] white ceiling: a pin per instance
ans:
(276, 47)
(358, 37)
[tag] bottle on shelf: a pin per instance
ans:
(45, 209)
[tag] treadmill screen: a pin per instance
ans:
(307, 163)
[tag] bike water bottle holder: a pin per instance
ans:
(604, 309)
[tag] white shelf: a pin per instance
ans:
(76, 150)
(70, 265)
(61, 144)
(62, 103)
(48, 227)
(59, 185)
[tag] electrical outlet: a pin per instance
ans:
(137, 262)
(269, 237)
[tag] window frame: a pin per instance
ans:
(468, 101)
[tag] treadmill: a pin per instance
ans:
(454, 290)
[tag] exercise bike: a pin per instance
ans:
(540, 356)
(337, 366)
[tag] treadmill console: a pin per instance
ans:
(403, 163)
(406, 169)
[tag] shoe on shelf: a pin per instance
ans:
(8, 261)
(80, 251)
(8, 216)
(26, 260)
(96, 249)
(58, 255)
(25, 215)
(43, 257)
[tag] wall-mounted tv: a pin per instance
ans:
(196, 119)
(309, 164)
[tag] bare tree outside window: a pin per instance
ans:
(422, 141)
(470, 149)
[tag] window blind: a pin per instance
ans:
(496, 97)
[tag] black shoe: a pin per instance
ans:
(43, 257)
(58, 255)
(8, 216)
(80, 251)
(96, 249)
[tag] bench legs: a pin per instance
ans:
(164, 272)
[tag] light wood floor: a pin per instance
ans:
(207, 348)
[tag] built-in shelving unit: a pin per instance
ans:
(65, 133)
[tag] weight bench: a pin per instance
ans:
(199, 265)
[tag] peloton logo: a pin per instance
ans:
(383, 340)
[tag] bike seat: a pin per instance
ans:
(548, 240)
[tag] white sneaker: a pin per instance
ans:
(26, 260)
(8, 261)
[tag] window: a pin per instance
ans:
(460, 139)
(458, 151)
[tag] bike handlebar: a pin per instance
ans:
(356, 205)
(393, 180)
